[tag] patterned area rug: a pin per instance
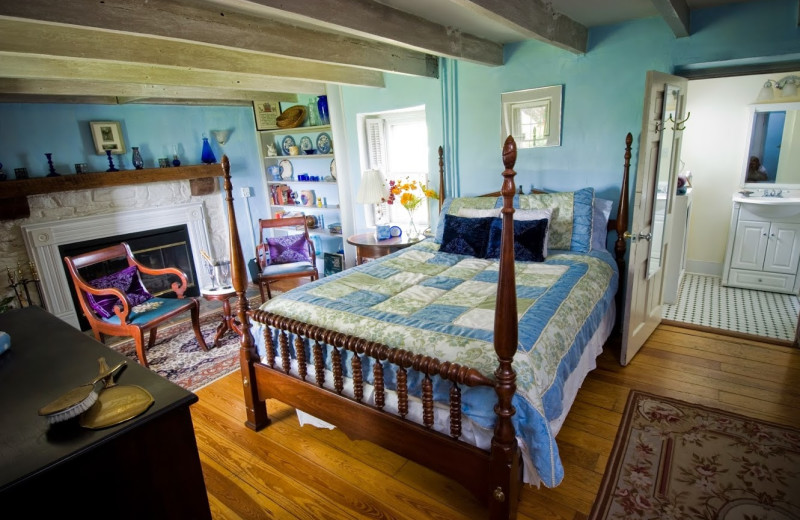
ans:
(177, 356)
(673, 459)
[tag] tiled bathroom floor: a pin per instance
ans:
(703, 300)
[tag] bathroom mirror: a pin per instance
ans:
(773, 148)
(663, 181)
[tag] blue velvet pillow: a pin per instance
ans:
(465, 236)
(127, 281)
(530, 237)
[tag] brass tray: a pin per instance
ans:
(116, 405)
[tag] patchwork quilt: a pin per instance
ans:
(442, 305)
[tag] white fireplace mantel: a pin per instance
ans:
(43, 239)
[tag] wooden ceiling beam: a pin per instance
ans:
(46, 39)
(676, 14)
(375, 21)
(206, 23)
(28, 66)
(533, 19)
(110, 92)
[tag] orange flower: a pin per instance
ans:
(411, 193)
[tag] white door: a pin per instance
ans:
(656, 174)
(750, 245)
(783, 250)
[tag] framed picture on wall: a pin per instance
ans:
(107, 135)
(266, 112)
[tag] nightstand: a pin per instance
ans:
(370, 248)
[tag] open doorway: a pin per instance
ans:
(715, 157)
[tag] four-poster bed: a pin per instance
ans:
(367, 330)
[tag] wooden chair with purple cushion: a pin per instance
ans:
(290, 256)
(119, 305)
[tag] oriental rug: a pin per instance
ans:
(675, 460)
(178, 357)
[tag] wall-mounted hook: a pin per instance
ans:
(679, 124)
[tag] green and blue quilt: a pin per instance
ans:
(442, 305)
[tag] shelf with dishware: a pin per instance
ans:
(300, 177)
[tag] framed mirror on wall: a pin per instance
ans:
(532, 116)
(773, 148)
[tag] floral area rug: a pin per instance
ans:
(178, 357)
(676, 460)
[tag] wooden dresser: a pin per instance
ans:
(147, 467)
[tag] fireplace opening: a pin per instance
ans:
(156, 248)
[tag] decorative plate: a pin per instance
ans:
(288, 170)
(324, 143)
(333, 168)
(305, 143)
(287, 142)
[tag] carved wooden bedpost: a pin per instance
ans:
(505, 456)
(622, 213)
(441, 178)
(256, 409)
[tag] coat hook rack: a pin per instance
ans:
(679, 125)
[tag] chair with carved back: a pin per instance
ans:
(289, 256)
(118, 304)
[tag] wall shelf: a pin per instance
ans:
(86, 181)
(14, 194)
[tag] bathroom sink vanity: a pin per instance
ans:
(764, 244)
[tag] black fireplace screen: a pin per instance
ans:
(156, 248)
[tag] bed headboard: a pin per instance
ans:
(618, 224)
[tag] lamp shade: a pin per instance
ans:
(766, 93)
(372, 190)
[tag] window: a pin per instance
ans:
(397, 146)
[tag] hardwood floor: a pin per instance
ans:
(286, 471)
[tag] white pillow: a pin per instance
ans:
(519, 214)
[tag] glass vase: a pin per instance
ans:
(137, 160)
(207, 156)
(322, 108)
(412, 232)
(312, 117)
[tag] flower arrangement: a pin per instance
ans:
(411, 193)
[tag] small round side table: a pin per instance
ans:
(368, 247)
(223, 294)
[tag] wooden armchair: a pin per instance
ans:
(272, 268)
(119, 305)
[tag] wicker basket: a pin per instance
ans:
(292, 117)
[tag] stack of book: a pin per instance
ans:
(335, 228)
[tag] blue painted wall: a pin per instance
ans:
(603, 93)
(29, 130)
(603, 96)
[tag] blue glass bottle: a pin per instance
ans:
(137, 160)
(208, 155)
(322, 108)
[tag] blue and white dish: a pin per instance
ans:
(305, 144)
(287, 142)
(324, 143)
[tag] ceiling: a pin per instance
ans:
(234, 51)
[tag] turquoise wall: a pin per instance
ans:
(29, 130)
(603, 94)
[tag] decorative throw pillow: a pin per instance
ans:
(465, 236)
(288, 249)
(600, 215)
(127, 281)
(452, 206)
(519, 214)
(571, 226)
(530, 237)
